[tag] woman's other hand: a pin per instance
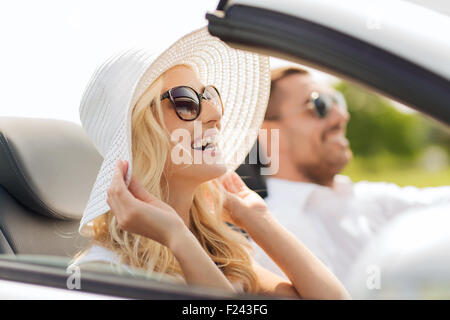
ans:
(241, 203)
(138, 211)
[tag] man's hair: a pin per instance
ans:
(273, 108)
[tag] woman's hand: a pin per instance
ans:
(241, 203)
(138, 211)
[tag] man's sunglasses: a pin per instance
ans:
(323, 102)
(187, 102)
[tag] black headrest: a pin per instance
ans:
(251, 172)
(49, 166)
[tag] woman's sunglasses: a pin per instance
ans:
(188, 103)
(323, 102)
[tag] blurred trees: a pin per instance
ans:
(376, 126)
(384, 138)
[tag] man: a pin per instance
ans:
(332, 216)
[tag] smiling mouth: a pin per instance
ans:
(207, 143)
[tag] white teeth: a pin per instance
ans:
(205, 141)
(197, 145)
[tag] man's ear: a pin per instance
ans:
(264, 139)
(269, 146)
(270, 129)
(269, 126)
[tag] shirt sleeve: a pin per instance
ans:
(395, 200)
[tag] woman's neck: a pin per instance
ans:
(181, 197)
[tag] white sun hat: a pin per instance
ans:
(243, 79)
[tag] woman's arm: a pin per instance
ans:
(197, 266)
(272, 284)
(310, 278)
(140, 212)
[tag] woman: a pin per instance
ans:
(169, 216)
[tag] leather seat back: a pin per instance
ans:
(47, 169)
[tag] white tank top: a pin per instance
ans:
(101, 254)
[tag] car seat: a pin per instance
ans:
(47, 170)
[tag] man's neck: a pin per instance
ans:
(288, 171)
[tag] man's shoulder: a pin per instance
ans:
(288, 193)
(374, 189)
(381, 186)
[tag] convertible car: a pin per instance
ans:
(47, 167)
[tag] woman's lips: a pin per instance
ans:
(205, 143)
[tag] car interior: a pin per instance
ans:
(47, 168)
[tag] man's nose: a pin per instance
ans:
(340, 113)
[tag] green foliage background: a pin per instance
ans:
(391, 145)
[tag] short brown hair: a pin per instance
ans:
(273, 111)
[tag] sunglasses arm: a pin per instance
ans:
(165, 95)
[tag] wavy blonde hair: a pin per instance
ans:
(151, 146)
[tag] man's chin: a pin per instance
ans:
(338, 161)
(346, 158)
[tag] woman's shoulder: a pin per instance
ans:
(98, 255)
(99, 258)
(238, 286)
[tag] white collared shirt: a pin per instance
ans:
(337, 223)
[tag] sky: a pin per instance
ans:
(50, 48)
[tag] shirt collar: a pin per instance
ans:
(289, 191)
(343, 184)
(297, 192)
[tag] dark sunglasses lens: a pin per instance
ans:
(186, 103)
(322, 106)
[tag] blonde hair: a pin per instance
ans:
(151, 146)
